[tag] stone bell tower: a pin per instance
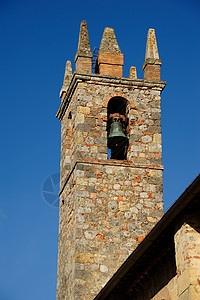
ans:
(108, 202)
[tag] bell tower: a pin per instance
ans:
(111, 163)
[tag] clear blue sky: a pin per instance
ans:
(37, 37)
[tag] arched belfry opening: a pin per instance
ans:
(117, 124)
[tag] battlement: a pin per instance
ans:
(110, 60)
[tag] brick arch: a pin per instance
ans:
(110, 96)
(117, 104)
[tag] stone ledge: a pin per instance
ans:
(110, 162)
(81, 53)
(151, 61)
(126, 82)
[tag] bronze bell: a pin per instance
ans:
(116, 129)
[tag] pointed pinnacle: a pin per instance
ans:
(68, 72)
(133, 73)
(67, 77)
(83, 43)
(109, 41)
(151, 47)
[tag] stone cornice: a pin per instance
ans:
(82, 53)
(151, 61)
(109, 162)
(105, 80)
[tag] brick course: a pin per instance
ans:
(110, 63)
(84, 65)
(151, 70)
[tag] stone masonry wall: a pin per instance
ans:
(66, 250)
(105, 212)
(106, 206)
(187, 245)
(84, 136)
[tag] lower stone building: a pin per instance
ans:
(166, 265)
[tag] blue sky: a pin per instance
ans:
(37, 37)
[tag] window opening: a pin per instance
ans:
(117, 123)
